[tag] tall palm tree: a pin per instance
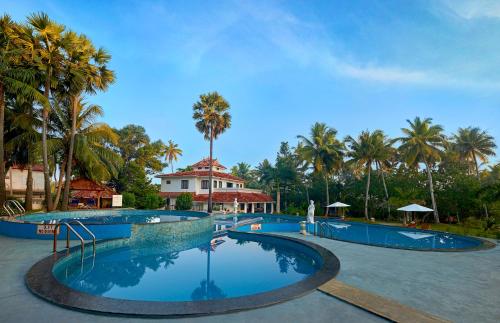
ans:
(84, 70)
(47, 50)
(267, 177)
(16, 79)
(474, 144)
(172, 153)
(212, 117)
(323, 151)
(366, 150)
(422, 143)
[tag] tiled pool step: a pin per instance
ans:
(375, 304)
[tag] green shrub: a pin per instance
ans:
(150, 201)
(184, 202)
(128, 199)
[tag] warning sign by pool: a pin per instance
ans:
(46, 229)
(256, 226)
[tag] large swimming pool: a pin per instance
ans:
(371, 234)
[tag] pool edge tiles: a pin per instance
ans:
(40, 281)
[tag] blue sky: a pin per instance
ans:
(284, 65)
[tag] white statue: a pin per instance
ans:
(310, 212)
(235, 205)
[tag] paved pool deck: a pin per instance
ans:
(458, 286)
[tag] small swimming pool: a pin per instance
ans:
(113, 216)
(227, 273)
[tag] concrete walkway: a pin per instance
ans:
(458, 286)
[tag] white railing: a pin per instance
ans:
(236, 189)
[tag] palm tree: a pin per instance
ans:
(172, 152)
(268, 178)
(422, 143)
(84, 70)
(323, 151)
(473, 144)
(47, 49)
(212, 117)
(93, 157)
(15, 78)
(366, 150)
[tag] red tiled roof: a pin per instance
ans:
(88, 185)
(226, 197)
(203, 173)
(205, 162)
(35, 168)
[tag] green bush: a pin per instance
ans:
(128, 199)
(150, 201)
(184, 202)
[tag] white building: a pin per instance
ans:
(226, 188)
(15, 182)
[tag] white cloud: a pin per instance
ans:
(469, 9)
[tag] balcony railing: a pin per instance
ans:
(236, 189)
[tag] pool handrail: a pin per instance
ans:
(87, 230)
(68, 228)
(323, 227)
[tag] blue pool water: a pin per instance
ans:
(377, 235)
(114, 216)
(218, 268)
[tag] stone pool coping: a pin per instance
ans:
(41, 282)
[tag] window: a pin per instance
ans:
(229, 185)
(220, 184)
(215, 184)
(242, 206)
(199, 167)
(204, 184)
(184, 184)
(168, 182)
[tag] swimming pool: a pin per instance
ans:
(232, 272)
(374, 234)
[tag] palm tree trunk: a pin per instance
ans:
(3, 194)
(385, 190)
(278, 199)
(45, 120)
(172, 165)
(60, 182)
(210, 184)
(64, 203)
(28, 197)
(367, 192)
(431, 190)
(327, 190)
(485, 207)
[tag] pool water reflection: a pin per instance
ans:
(219, 268)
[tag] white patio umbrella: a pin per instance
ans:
(336, 205)
(414, 208)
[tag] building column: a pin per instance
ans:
(265, 207)
(253, 207)
(272, 207)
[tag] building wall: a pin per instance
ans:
(194, 184)
(18, 179)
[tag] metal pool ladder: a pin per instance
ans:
(11, 205)
(70, 228)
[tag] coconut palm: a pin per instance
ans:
(84, 70)
(474, 144)
(16, 79)
(422, 143)
(47, 48)
(367, 149)
(323, 151)
(212, 117)
(172, 153)
(93, 158)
